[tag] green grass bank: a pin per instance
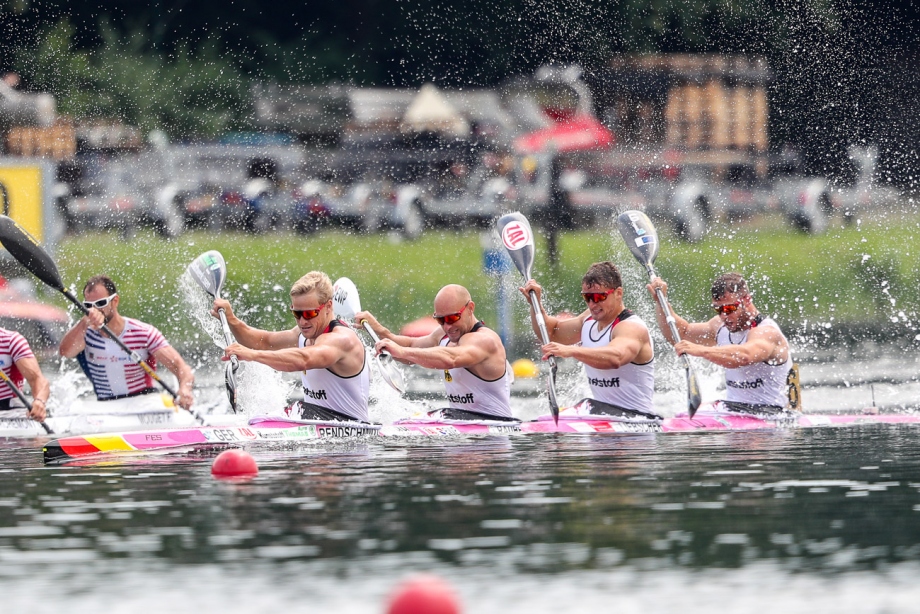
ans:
(863, 275)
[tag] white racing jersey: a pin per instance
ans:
(632, 386)
(113, 373)
(470, 392)
(758, 384)
(345, 395)
(13, 347)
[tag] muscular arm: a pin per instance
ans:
(567, 331)
(623, 349)
(172, 360)
(402, 340)
(330, 349)
(255, 338)
(703, 333)
(763, 344)
(470, 351)
(74, 340)
(40, 387)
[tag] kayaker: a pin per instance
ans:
(611, 342)
(477, 376)
(113, 373)
(328, 353)
(19, 363)
(749, 346)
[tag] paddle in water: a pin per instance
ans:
(642, 240)
(23, 398)
(25, 249)
(346, 303)
(517, 237)
(209, 271)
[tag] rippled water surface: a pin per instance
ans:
(808, 520)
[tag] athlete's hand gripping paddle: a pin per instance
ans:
(209, 271)
(24, 248)
(23, 398)
(642, 240)
(517, 237)
(346, 303)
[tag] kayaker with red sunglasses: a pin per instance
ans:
(611, 341)
(328, 353)
(750, 347)
(477, 376)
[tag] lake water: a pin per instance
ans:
(805, 520)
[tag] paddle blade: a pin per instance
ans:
(345, 300)
(230, 383)
(209, 271)
(23, 247)
(391, 373)
(551, 393)
(640, 236)
(517, 237)
(694, 398)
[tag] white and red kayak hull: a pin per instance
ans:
(267, 429)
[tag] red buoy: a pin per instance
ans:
(424, 594)
(234, 463)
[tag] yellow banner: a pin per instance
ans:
(21, 197)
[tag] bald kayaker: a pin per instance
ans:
(749, 346)
(327, 352)
(611, 342)
(477, 376)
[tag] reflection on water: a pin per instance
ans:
(701, 522)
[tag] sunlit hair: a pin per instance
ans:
(604, 274)
(729, 283)
(314, 281)
(103, 280)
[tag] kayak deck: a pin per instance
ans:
(279, 429)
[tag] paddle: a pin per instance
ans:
(209, 271)
(23, 247)
(642, 240)
(346, 303)
(23, 398)
(517, 237)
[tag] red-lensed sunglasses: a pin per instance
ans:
(597, 297)
(728, 309)
(451, 318)
(306, 314)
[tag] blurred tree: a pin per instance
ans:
(190, 94)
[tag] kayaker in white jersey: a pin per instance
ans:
(750, 347)
(477, 376)
(612, 342)
(113, 373)
(327, 352)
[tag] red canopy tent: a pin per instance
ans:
(579, 133)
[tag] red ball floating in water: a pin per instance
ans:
(234, 463)
(424, 594)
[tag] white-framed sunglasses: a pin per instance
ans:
(103, 302)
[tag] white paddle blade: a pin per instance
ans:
(640, 236)
(209, 271)
(391, 373)
(345, 300)
(517, 237)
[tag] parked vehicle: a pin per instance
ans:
(865, 193)
(367, 206)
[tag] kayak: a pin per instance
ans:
(273, 429)
(280, 429)
(87, 415)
